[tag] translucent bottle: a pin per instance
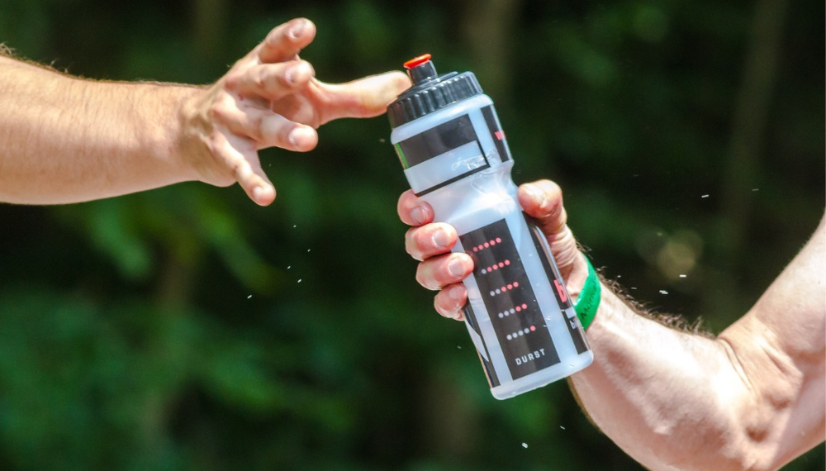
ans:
(455, 157)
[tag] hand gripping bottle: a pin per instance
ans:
(455, 157)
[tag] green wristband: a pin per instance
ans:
(588, 301)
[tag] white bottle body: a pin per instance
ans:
(526, 335)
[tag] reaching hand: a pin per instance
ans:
(271, 98)
(441, 270)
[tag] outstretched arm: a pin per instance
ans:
(65, 139)
(752, 399)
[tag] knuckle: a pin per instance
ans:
(214, 141)
(216, 111)
(256, 127)
(258, 79)
(235, 170)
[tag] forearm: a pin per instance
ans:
(751, 400)
(66, 140)
(666, 397)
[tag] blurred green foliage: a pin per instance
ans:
(186, 328)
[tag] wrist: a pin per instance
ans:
(195, 137)
(589, 297)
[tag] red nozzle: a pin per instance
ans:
(416, 61)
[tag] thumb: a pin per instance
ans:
(542, 200)
(363, 98)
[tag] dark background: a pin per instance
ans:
(186, 328)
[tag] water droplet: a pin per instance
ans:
(662, 291)
(250, 296)
(563, 428)
(382, 140)
(683, 276)
(524, 445)
(755, 189)
(299, 280)
(295, 225)
(633, 287)
(308, 250)
(704, 196)
(459, 347)
(288, 267)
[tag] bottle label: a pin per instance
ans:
(509, 299)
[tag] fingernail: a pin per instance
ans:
(296, 135)
(418, 215)
(440, 238)
(537, 194)
(297, 29)
(455, 293)
(257, 193)
(456, 267)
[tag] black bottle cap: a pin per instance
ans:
(430, 91)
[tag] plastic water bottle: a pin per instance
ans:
(455, 157)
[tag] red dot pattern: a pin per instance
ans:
(510, 286)
(487, 244)
(495, 266)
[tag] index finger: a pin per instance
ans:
(363, 98)
(413, 211)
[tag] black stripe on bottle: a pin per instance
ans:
(496, 133)
(557, 287)
(437, 140)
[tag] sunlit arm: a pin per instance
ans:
(753, 399)
(65, 140)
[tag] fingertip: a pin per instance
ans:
(450, 301)
(540, 199)
(285, 41)
(299, 74)
(398, 81)
(530, 198)
(374, 93)
(303, 138)
(413, 211)
(458, 293)
(467, 260)
(389, 86)
(301, 29)
(263, 195)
